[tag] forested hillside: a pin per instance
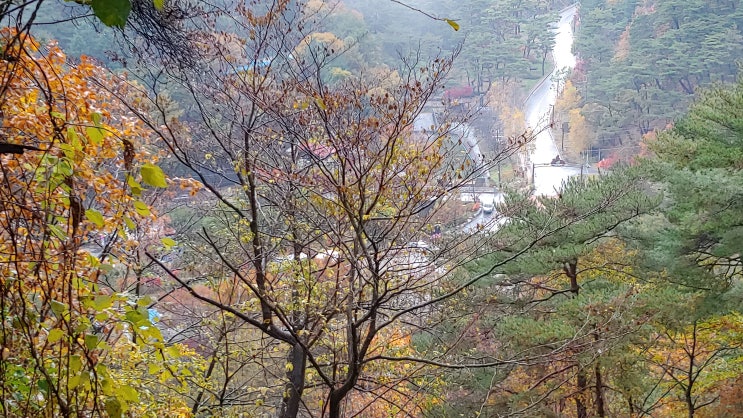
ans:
(280, 208)
(631, 307)
(641, 61)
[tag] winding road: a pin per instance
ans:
(537, 107)
(548, 179)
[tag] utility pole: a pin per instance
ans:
(500, 184)
(532, 174)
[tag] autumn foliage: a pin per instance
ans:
(66, 207)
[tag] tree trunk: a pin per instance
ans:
(686, 85)
(599, 389)
(690, 373)
(295, 386)
(335, 408)
(689, 405)
(580, 406)
(599, 401)
(571, 270)
(336, 399)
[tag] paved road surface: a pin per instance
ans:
(547, 180)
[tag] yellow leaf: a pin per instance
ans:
(141, 208)
(153, 175)
(95, 135)
(95, 217)
(55, 335)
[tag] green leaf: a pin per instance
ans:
(135, 317)
(43, 385)
(154, 368)
(130, 223)
(95, 135)
(76, 363)
(107, 386)
(68, 149)
(153, 175)
(73, 138)
(64, 167)
(91, 341)
(128, 393)
(96, 118)
(95, 217)
(134, 185)
(112, 12)
(168, 242)
(144, 301)
(141, 208)
(149, 332)
(453, 24)
(159, 4)
(57, 231)
(102, 302)
(173, 351)
(58, 308)
(113, 408)
(55, 335)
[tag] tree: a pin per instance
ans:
(501, 39)
(655, 59)
(578, 136)
(326, 190)
(697, 163)
(694, 361)
(555, 311)
(79, 182)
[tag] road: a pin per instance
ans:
(485, 221)
(537, 109)
(465, 133)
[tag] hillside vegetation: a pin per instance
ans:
(272, 209)
(642, 61)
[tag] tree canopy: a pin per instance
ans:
(275, 209)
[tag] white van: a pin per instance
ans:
(488, 203)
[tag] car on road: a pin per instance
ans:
(488, 203)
